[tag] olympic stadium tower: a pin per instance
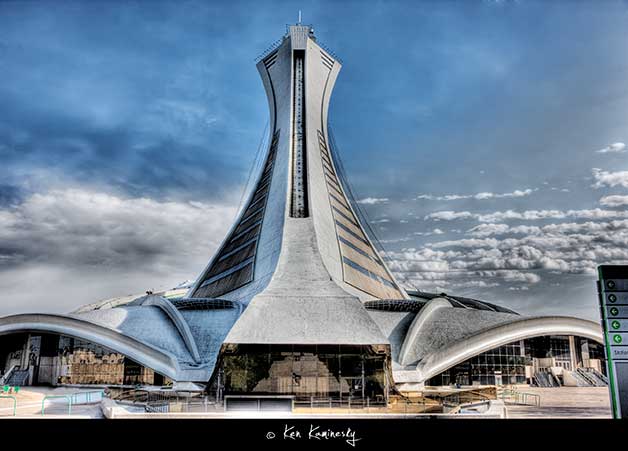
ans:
(297, 301)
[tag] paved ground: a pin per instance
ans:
(565, 402)
(29, 403)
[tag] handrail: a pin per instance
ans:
(341, 402)
(43, 401)
(8, 374)
(521, 397)
(98, 394)
(14, 402)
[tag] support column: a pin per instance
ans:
(584, 347)
(573, 357)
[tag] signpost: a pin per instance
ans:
(613, 296)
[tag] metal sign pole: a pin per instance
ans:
(613, 297)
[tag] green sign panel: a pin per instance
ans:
(613, 297)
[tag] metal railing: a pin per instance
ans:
(164, 401)
(6, 376)
(463, 397)
(14, 402)
(599, 375)
(347, 402)
(516, 397)
(184, 405)
(68, 398)
(87, 397)
(545, 379)
(460, 409)
(73, 399)
(275, 45)
(592, 377)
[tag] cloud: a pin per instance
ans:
(373, 200)
(521, 288)
(50, 288)
(433, 232)
(81, 228)
(605, 178)
(614, 201)
(478, 196)
(618, 147)
(449, 215)
(528, 215)
(514, 256)
(483, 230)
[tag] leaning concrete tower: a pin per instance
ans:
(298, 250)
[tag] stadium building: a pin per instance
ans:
(298, 300)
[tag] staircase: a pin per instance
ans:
(582, 381)
(546, 380)
(554, 379)
(593, 378)
(541, 380)
(599, 375)
(17, 378)
(5, 377)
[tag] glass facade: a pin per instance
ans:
(507, 364)
(305, 371)
(503, 365)
(62, 360)
(596, 350)
(552, 346)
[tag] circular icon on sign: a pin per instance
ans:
(617, 339)
(612, 298)
(615, 324)
(614, 311)
(610, 284)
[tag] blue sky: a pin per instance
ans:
(484, 139)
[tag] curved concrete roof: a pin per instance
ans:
(209, 329)
(178, 320)
(143, 353)
(147, 324)
(394, 326)
(183, 345)
(173, 331)
(439, 324)
(408, 351)
(444, 358)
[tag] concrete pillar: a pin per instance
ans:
(584, 349)
(573, 356)
(25, 353)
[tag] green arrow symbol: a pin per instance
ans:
(614, 311)
(617, 339)
(610, 284)
(615, 324)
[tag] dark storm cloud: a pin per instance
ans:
(78, 228)
(10, 194)
(125, 95)
(115, 160)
